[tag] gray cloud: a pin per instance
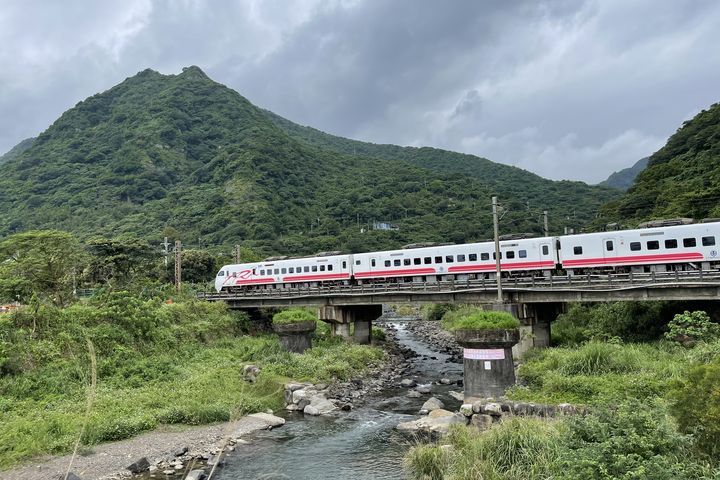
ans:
(566, 89)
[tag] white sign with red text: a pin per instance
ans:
(484, 354)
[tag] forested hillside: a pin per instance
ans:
(682, 179)
(184, 156)
(624, 178)
(16, 150)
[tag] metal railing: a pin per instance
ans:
(607, 282)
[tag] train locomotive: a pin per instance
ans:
(661, 249)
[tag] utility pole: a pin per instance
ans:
(166, 246)
(178, 265)
(545, 223)
(497, 249)
(237, 254)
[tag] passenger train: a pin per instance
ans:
(682, 247)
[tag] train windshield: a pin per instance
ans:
(221, 273)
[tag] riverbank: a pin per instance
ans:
(153, 365)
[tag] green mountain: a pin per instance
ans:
(16, 150)
(624, 179)
(183, 156)
(682, 179)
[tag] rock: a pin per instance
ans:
(445, 381)
(414, 394)
(408, 383)
(440, 413)
(520, 408)
(215, 459)
(466, 409)
(179, 466)
(304, 402)
(432, 404)
(196, 475)
(481, 421)
(271, 420)
(310, 410)
(294, 386)
(169, 472)
(477, 406)
(438, 421)
(139, 466)
(492, 408)
(292, 407)
(299, 395)
(321, 386)
(457, 395)
(250, 373)
(152, 468)
(288, 396)
(566, 409)
(423, 388)
(180, 451)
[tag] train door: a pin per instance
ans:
(546, 255)
(610, 249)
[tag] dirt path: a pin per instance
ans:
(110, 460)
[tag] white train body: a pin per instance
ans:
(682, 247)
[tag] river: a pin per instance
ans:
(360, 445)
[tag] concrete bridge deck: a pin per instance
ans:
(691, 285)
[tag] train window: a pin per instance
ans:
(708, 241)
(277, 271)
(495, 258)
(291, 270)
(609, 245)
(449, 258)
(577, 250)
(306, 269)
(522, 254)
(438, 259)
(344, 264)
(417, 261)
(372, 262)
(407, 261)
(671, 243)
(284, 270)
(689, 242)
(427, 260)
(396, 262)
(510, 254)
(322, 268)
(357, 262)
(461, 258)
(329, 268)
(314, 268)
(388, 263)
(221, 273)
(472, 257)
(635, 246)
(545, 250)
(484, 256)
(653, 245)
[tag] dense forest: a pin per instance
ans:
(183, 156)
(682, 179)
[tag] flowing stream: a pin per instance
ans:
(360, 445)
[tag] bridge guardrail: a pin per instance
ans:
(611, 281)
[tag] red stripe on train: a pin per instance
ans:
(406, 271)
(634, 259)
(255, 280)
(503, 266)
(317, 277)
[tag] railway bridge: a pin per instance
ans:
(535, 301)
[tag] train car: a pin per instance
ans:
(285, 273)
(430, 264)
(681, 247)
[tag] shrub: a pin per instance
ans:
(689, 328)
(695, 402)
(436, 311)
(294, 315)
(473, 318)
(378, 333)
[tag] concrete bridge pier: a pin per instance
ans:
(360, 316)
(535, 321)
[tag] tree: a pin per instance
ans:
(43, 262)
(120, 260)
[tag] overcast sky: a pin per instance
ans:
(567, 89)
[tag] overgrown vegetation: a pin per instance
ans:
(475, 318)
(293, 315)
(157, 363)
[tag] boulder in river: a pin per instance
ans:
(319, 405)
(196, 475)
(424, 388)
(414, 394)
(139, 465)
(408, 383)
(432, 404)
(437, 421)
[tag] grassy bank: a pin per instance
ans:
(654, 409)
(157, 364)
